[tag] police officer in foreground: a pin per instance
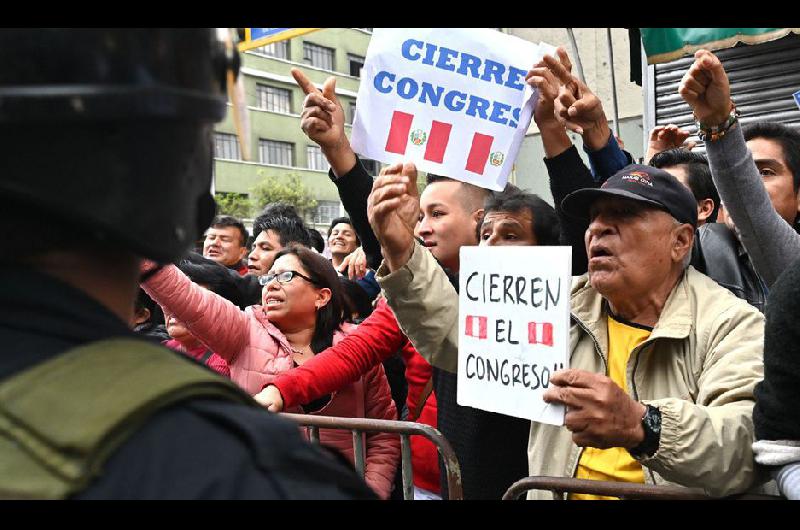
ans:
(106, 159)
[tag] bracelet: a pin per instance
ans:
(708, 133)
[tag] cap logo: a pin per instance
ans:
(639, 177)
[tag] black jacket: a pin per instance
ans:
(776, 415)
(199, 448)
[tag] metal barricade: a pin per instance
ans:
(623, 490)
(405, 429)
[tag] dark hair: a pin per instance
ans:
(331, 316)
(280, 209)
(224, 221)
(698, 174)
(143, 301)
(359, 299)
(788, 138)
(473, 196)
(289, 229)
(215, 277)
(346, 220)
(546, 227)
(317, 241)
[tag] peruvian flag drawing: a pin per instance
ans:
(441, 129)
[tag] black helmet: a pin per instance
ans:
(111, 129)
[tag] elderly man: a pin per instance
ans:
(663, 360)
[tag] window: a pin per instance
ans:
(318, 56)
(352, 116)
(226, 146)
(276, 49)
(373, 167)
(356, 63)
(316, 160)
(278, 153)
(274, 99)
(326, 211)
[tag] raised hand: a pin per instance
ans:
(541, 78)
(354, 265)
(577, 106)
(393, 211)
(663, 137)
(705, 87)
(322, 120)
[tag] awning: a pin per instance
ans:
(666, 44)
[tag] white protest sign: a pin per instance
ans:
(514, 319)
(453, 101)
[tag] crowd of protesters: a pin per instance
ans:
(683, 362)
(668, 340)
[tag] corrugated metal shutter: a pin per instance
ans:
(763, 79)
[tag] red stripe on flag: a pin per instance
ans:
(468, 327)
(531, 332)
(479, 153)
(547, 334)
(398, 133)
(437, 142)
(482, 327)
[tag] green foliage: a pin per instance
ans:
(289, 189)
(235, 204)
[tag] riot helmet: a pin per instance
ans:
(111, 130)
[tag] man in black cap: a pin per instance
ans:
(663, 361)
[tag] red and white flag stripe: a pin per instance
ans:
(476, 326)
(546, 330)
(437, 141)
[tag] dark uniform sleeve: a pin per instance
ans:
(354, 189)
(568, 173)
(218, 450)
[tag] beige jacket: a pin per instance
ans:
(699, 367)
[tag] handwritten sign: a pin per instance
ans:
(514, 328)
(453, 101)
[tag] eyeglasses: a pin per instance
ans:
(282, 277)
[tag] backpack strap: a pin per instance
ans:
(206, 356)
(60, 420)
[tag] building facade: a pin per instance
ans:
(274, 102)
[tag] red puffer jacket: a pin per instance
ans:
(256, 352)
(377, 338)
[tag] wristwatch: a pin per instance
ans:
(651, 423)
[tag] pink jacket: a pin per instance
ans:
(256, 351)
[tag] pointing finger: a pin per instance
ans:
(303, 82)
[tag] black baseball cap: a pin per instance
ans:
(639, 183)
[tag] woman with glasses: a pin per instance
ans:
(302, 312)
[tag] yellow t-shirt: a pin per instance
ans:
(614, 464)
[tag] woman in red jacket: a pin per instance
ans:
(301, 314)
